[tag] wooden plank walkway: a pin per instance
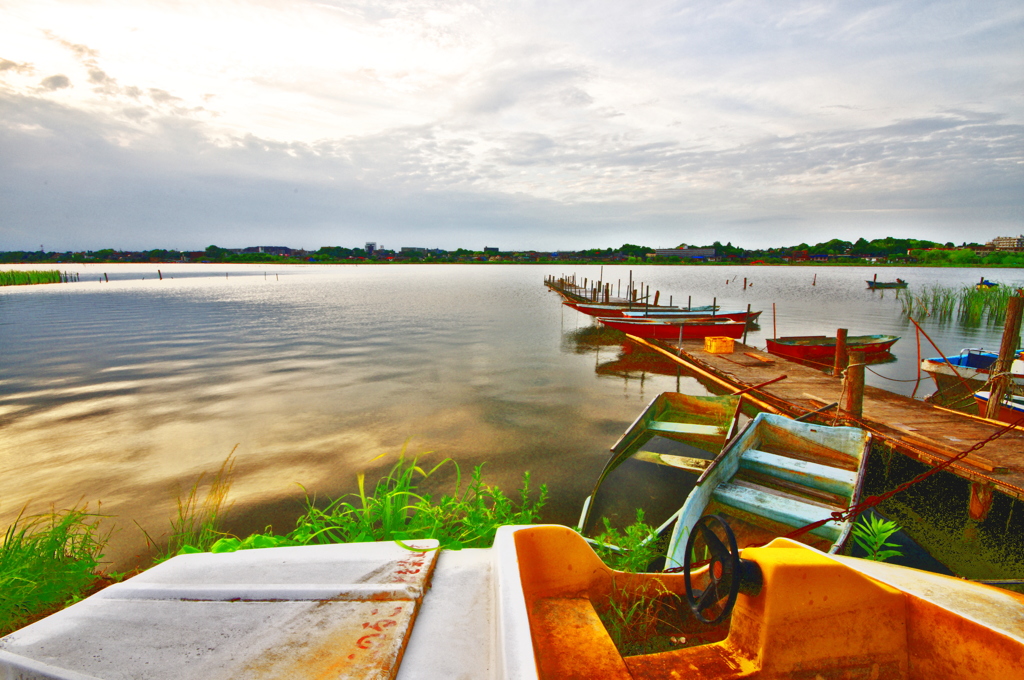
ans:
(927, 433)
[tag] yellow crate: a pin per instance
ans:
(718, 345)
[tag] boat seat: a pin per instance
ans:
(814, 475)
(684, 428)
(783, 509)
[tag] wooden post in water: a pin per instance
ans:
(746, 324)
(105, 277)
(744, 283)
(657, 295)
(714, 306)
(160, 274)
(815, 281)
(841, 358)
(775, 331)
(1001, 369)
(689, 301)
(853, 386)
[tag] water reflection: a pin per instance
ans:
(121, 392)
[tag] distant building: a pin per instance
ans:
(370, 247)
(488, 249)
(685, 253)
(1007, 243)
(413, 250)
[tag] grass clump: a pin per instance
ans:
(396, 509)
(46, 562)
(196, 528)
(25, 278)
(633, 549)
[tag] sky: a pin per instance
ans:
(546, 125)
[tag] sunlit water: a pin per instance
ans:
(122, 392)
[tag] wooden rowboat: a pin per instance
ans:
(732, 315)
(811, 347)
(898, 283)
(686, 329)
(705, 423)
(1010, 411)
(617, 309)
(778, 475)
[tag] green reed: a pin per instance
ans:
(965, 304)
(47, 561)
(397, 509)
(25, 278)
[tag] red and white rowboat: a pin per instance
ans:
(688, 329)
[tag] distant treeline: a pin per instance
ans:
(835, 251)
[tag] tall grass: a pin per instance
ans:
(965, 304)
(197, 526)
(47, 561)
(24, 278)
(396, 509)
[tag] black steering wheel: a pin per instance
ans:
(723, 570)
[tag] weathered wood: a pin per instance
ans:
(1007, 350)
(841, 358)
(1000, 463)
(854, 385)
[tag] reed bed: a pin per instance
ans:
(26, 278)
(966, 304)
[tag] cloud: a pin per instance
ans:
(57, 82)
(551, 123)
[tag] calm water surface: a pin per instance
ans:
(124, 392)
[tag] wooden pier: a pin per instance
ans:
(924, 432)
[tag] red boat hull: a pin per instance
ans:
(692, 330)
(822, 347)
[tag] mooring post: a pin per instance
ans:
(775, 330)
(853, 388)
(160, 274)
(841, 358)
(714, 306)
(657, 295)
(744, 283)
(746, 324)
(1001, 369)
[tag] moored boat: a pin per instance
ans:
(958, 377)
(525, 609)
(778, 475)
(675, 329)
(1010, 411)
(705, 423)
(618, 309)
(812, 347)
(732, 315)
(898, 283)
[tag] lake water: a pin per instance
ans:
(123, 392)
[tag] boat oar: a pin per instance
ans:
(764, 384)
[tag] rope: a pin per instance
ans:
(892, 379)
(872, 501)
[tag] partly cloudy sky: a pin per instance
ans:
(554, 124)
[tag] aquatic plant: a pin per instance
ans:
(196, 528)
(24, 278)
(47, 561)
(966, 304)
(633, 549)
(871, 534)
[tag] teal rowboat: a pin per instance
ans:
(776, 476)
